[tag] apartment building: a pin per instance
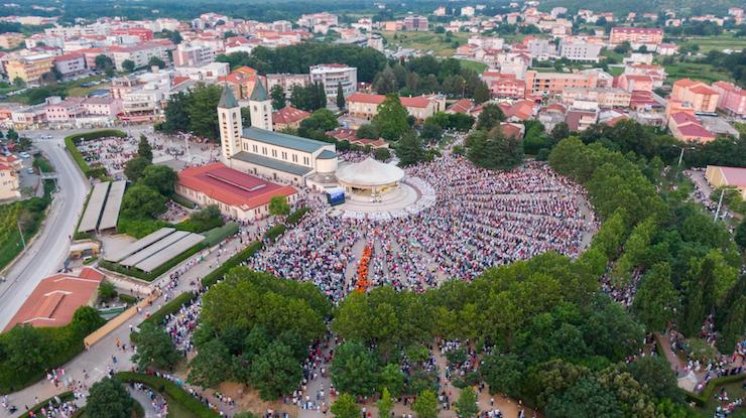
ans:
(70, 65)
(699, 95)
(10, 40)
(331, 75)
(102, 106)
(311, 20)
(10, 184)
(187, 55)
(635, 82)
(142, 53)
(732, 98)
(555, 83)
(415, 23)
(636, 36)
(30, 68)
(604, 97)
(580, 51)
(60, 111)
(287, 81)
(504, 85)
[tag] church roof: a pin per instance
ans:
(227, 99)
(260, 93)
(283, 140)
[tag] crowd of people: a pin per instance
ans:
(479, 219)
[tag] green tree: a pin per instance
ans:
(560, 132)
(385, 82)
(381, 154)
(426, 405)
(12, 134)
(135, 168)
(144, 150)
(431, 132)
(154, 348)
(108, 398)
(19, 83)
(161, 178)
(105, 64)
(391, 120)
(156, 62)
(354, 369)
(345, 407)
(107, 291)
(26, 348)
(466, 406)
(275, 372)
(385, 404)
(409, 149)
(128, 65)
(490, 117)
(340, 96)
(278, 206)
(481, 93)
(211, 365)
(502, 373)
(202, 110)
(656, 301)
(740, 236)
(176, 113)
(654, 372)
(367, 131)
(391, 378)
(142, 202)
(494, 151)
(277, 94)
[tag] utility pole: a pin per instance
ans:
(23, 240)
(720, 203)
(681, 156)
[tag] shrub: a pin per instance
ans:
(216, 235)
(296, 216)
(275, 232)
(234, 261)
(175, 392)
(202, 220)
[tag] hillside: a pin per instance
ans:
(682, 7)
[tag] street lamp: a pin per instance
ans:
(681, 155)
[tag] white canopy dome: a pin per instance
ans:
(369, 173)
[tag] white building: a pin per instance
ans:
(580, 51)
(187, 55)
(331, 75)
(274, 155)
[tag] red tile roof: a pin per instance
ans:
(734, 176)
(56, 298)
(288, 115)
(419, 101)
(230, 186)
(461, 106)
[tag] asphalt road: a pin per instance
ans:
(48, 252)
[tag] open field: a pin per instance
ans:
(709, 43)
(704, 72)
(438, 44)
(478, 67)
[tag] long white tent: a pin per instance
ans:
(92, 213)
(156, 260)
(117, 256)
(113, 203)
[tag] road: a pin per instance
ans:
(49, 250)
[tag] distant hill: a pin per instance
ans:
(622, 7)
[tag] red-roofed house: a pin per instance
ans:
(288, 117)
(702, 97)
(56, 298)
(238, 195)
(241, 81)
(461, 106)
(503, 85)
(719, 176)
(71, 64)
(350, 135)
(363, 105)
(635, 82)
(686, 127)
(579, 120)
(513, 130)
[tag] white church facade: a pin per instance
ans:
(260, 151)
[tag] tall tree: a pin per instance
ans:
(409, 149)
(134, 168)
(345, 407)
(154, 348)
(385, 404)
(275, 372)
(278, 206)
(176, 113)
(108, 398)
(490, 117)
(340, 96)
(161, 178)
(656, 301)
(385, 82)
(391, 120)
(202, 110)
(466, 405)
(128, 65)
(426, 405)
(277, 93)
(141, 201)
(144, 150)
(212, 364)
(355, 369)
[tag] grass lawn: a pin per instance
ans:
(708, 43)
(704, 72)
(426, 41)
(478, 67)
(67, 88)
(177, 410)
(616, 71)
(735, 391)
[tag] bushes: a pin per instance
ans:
(296, 216)
(171, 307)
(702, 398)
(28, 352)
(216, 235)
(139, 228)
(172, 390)
(202, 220)
(183, 201)
(71, 142)
(234, 261)
(275, 232)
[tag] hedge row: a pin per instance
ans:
(296, 216)
(71, 142)
(36, 409)
(216, 235)
(707, 393)
(172, 390)
(149, 277)
(183, 201)
(172, 306)
(275, 232)
(232, 262)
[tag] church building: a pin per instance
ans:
(260, 151)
